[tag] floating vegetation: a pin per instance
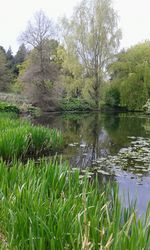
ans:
(135, 158)
(72, 145)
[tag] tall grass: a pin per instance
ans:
(48, 207)
(20, 139)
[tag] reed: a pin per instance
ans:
(48, 207)
(20, 139)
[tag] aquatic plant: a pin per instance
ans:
(21, 139)
(50, 207)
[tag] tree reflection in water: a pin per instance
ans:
(90, 136)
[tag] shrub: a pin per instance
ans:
(75, 104)
(6, 107)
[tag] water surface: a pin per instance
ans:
(92, 138)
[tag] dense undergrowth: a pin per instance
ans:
(48, 207)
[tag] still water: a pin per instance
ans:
(117, 146)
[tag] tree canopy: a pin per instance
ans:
(130, 74)
(92, 35)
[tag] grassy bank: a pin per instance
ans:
(21, 139)
(48, 207)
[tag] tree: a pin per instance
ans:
(21, 54)
(92, 34)
(20, 58)
(39, 88)
(10, 59)
(37, 35)
(130, 73)
(5, 74)
(70, 80)
(42, 69)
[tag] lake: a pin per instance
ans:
(116, 146)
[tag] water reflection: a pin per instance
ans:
(89, 137)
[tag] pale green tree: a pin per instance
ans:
(70, 81)
(92, 34)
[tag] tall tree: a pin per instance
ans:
(20, 58)
(41, 70)
(21, 54)
(93, 35)
(36, 35)
(5, 74)
(10, 59)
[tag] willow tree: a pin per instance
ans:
(130, 76)
(92, 34)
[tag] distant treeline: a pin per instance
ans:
(76, 63)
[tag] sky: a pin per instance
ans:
(134, 18)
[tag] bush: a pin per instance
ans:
(20, 108)
(30, 109)
(6, 107)
(75, 104)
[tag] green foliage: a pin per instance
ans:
(5, 73)
(7, 107)
(75, 104)
(112, 97)
(21, 54)
(131, 75)
(70, 80)
(10, 59)
(46, 206)
(18, 106)
(21, 139)
(16, 87)
(133, 94)
(92, 36)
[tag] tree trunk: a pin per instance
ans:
(96, 87)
